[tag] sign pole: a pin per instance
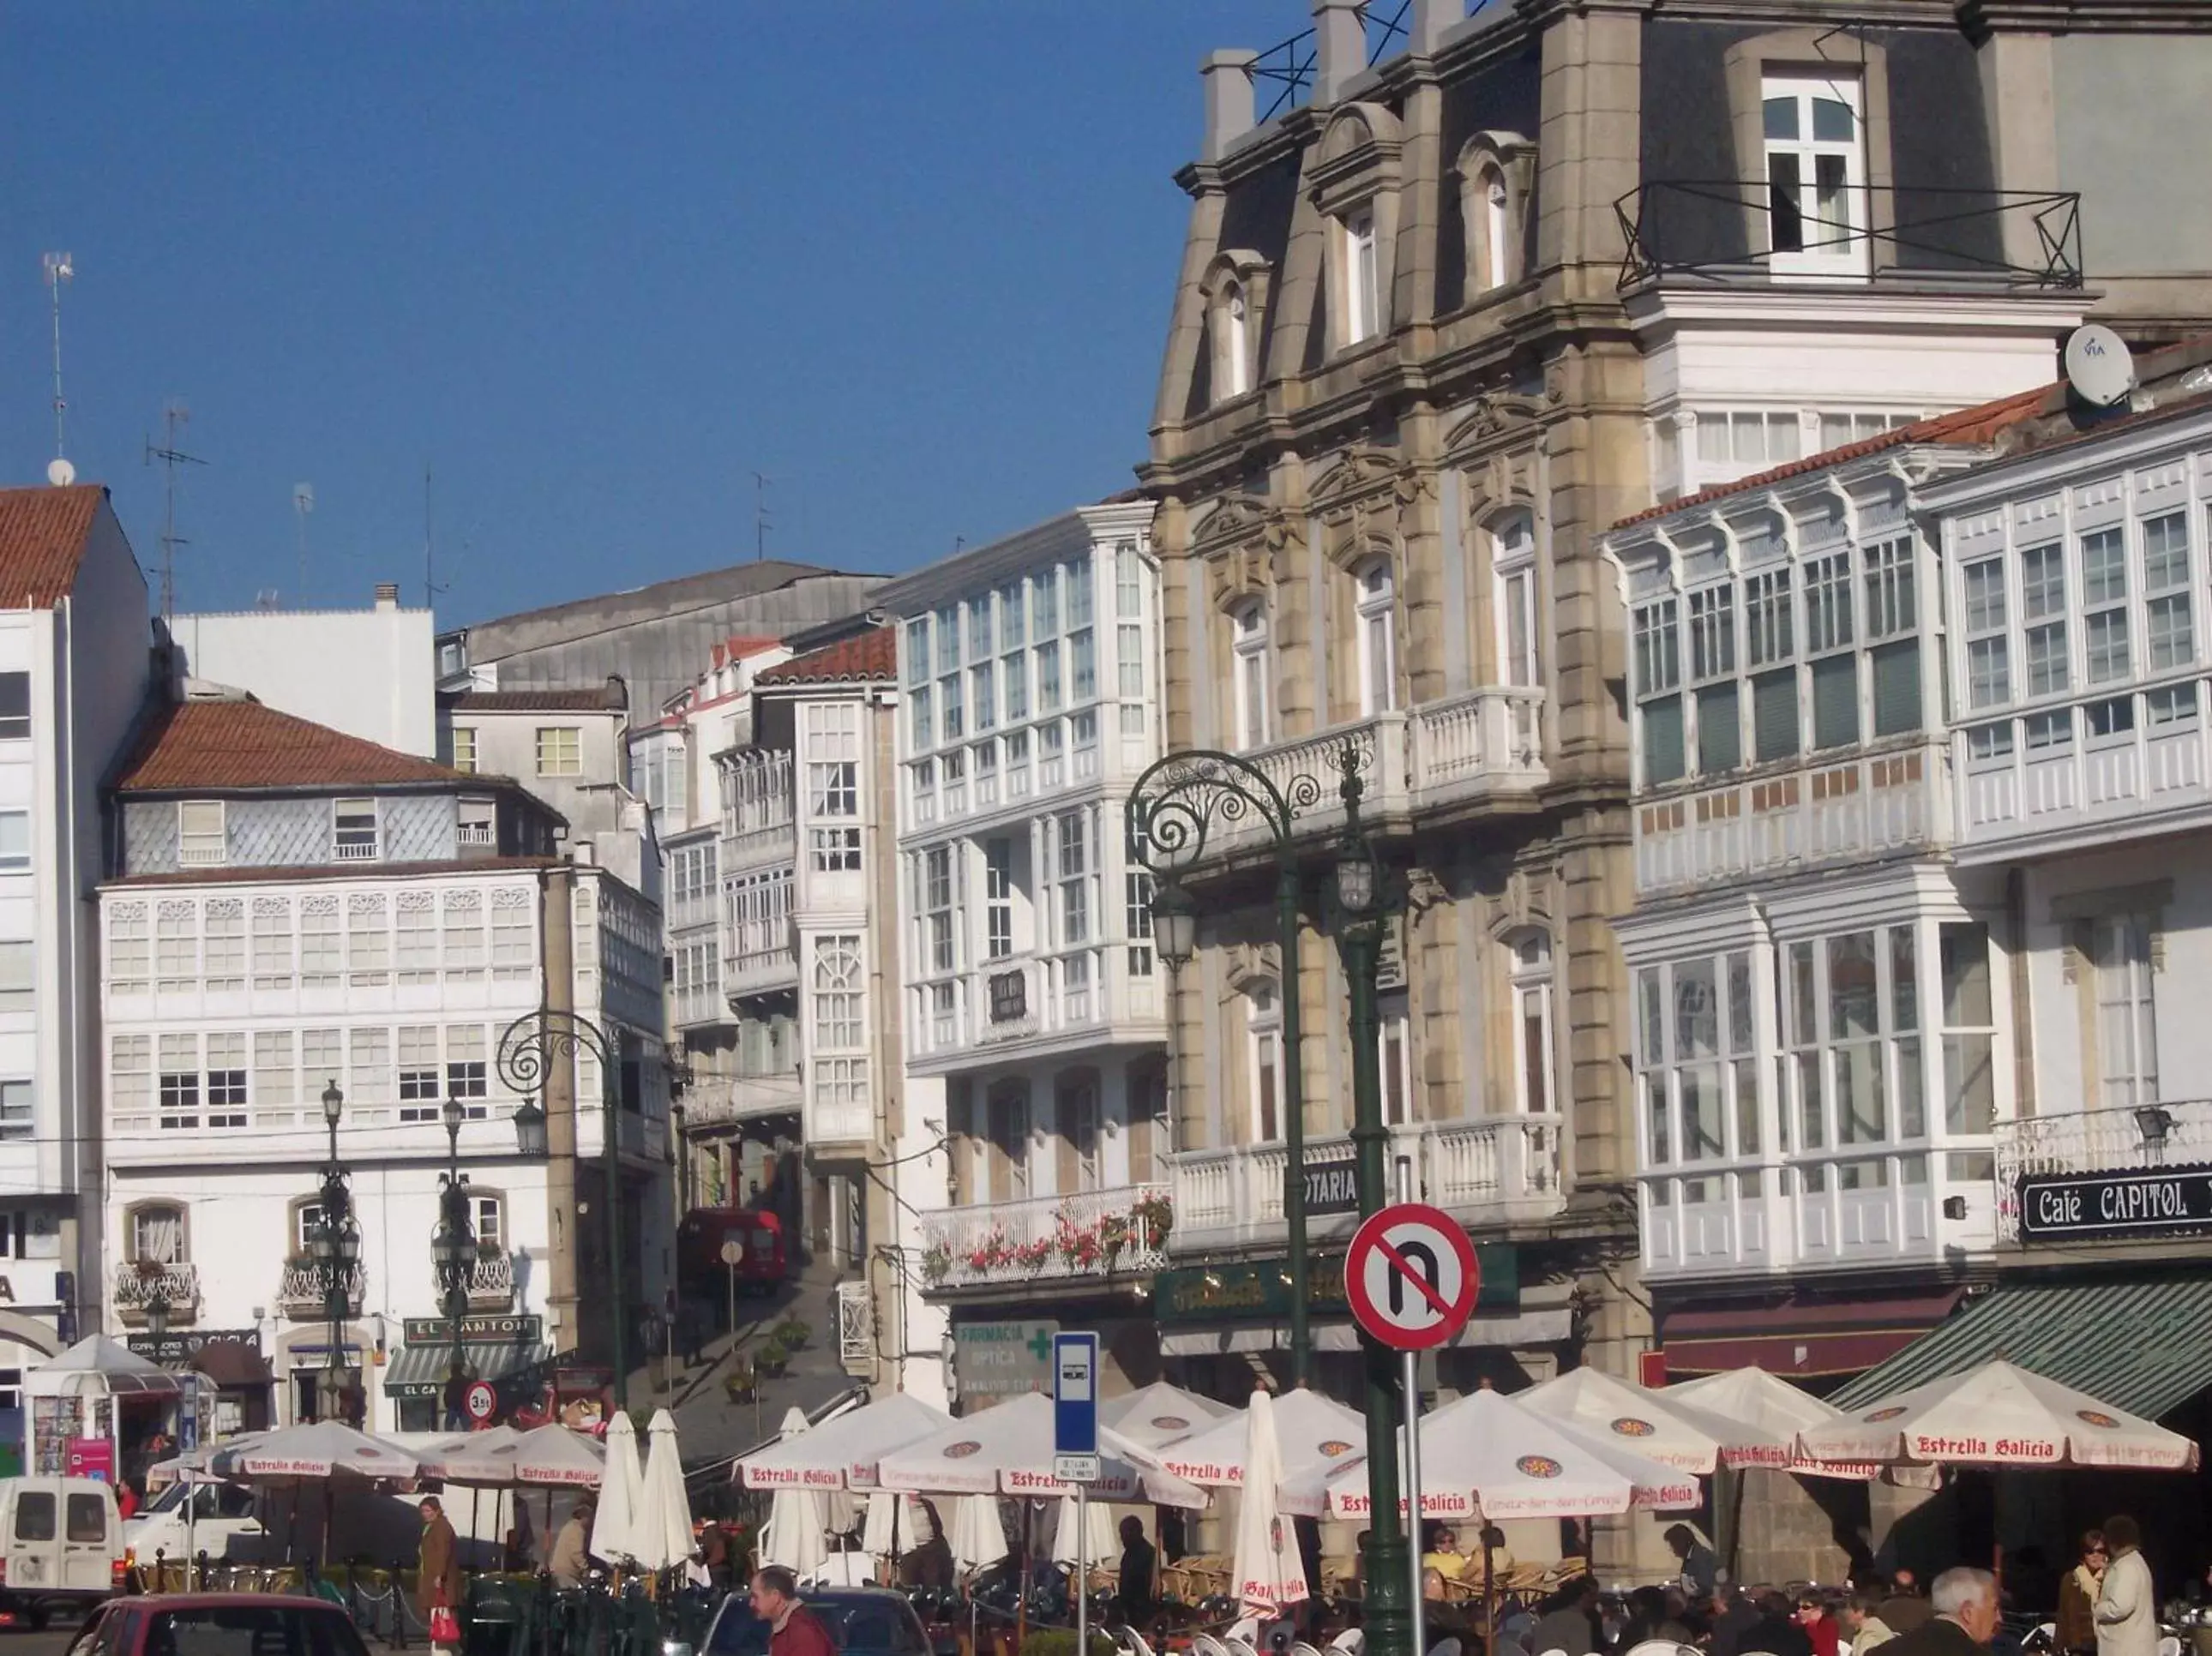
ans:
(1409, 1362)
(1082, 1569)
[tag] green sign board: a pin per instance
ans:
(1002, 1360)
(1261, 1291)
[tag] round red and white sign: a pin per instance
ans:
(1411, 1275)
(480, 1400)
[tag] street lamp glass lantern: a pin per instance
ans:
(530, 1129)
(1175, 924)
(1355, 880)
(454, 1115)
(349, 1243)
(333, 1104)
(324, 1244)
(157, 1314)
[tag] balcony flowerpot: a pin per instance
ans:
(793, 1334)
(936, 1264)
(772, 1359)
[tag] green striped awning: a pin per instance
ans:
(2144, 1344)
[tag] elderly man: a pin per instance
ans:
(793, 1629)
(1964, 1617)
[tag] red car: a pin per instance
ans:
(218, 1625)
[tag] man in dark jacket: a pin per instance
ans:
(1139, 1558)
(793, 1629)
(1776, 1632)
(1568, 1623)
(1963, 1617)
(1905, 1610)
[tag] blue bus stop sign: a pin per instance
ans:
(1075, 1394)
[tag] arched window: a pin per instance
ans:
(1232, 343)
(1377, 597)
(838, 1022)
(1498, 238)
(1263, 1026)
(1494, 175)
(1530, 970)
(1248, 631)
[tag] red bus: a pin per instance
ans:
(703, 1270)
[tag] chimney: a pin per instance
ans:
(1429, 20)
(1340, 47)
(387, 595)
(1228, 77)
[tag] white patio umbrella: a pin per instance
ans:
(843, 1451)
(1008, 1450)
(1999, 1415)
(1485, 1456)
(1771, 1407)
(1672, 1431)
(662, 1529)
(979, 1535)
(1160, 1414)
(1314, 1436)
(483, 1458)
(793, 1535)
(318, 1449)
(1098, 1532)
(621, 1491)
(1267, 1571)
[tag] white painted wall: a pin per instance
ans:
(370, 673)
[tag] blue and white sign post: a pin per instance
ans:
(1075, 1452)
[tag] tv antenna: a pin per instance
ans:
(59, 269)
(760, 525)
(174, 416)
(303, 506)
(430, 589)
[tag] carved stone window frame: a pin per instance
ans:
(1512, 159)
(1238, 270)
(1358, 166)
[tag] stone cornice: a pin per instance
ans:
(1983, 18)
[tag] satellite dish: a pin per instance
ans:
(60, 473)
(2099, 366)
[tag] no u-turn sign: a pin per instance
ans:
(1411, 1275)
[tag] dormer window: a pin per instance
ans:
(353, 831)
(1248, 628)
(1495, 170)
(1815, 174)
(200, 841)
(1363, 297)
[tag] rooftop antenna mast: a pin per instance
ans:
(303, 506)
(60, 472)
(174, 416)
(430, 589)
(760, 525)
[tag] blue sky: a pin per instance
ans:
(596, 265)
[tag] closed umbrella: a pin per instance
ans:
(896, 1524)
(1268, 1572)
(793, 1536)
(1098, 1532)
(979, 1538)
(621, 1491)
(662, 1530)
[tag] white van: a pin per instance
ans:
(224, 1525)
(61, 1546)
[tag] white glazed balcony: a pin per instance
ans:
(1491, 1170)
(1855, 807)
(1459, 750)
(719, 1101)
(1087, 1234)
(2094, 1141)
(1034, 1003)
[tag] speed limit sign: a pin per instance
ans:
(480, 1400)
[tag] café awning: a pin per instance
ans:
(420, 1371)
(2143, 1343)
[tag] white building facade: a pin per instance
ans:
(1033, 1003)
(295, 911)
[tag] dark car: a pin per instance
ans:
(218, 1625)
(862, 1621)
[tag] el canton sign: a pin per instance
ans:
(2136, 1203)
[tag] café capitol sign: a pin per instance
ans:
(2136, 1203)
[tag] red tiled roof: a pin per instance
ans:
(1965, 427)
(866, 656)
(42, 536)
(217, 746)
(604, 699)
(245, 872)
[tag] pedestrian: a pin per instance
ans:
(1776, 1632)
(2078, 1589)
(1140, 1560)
(1735, 1614)
(1819, 1623)
(2127, 1602)
(1569, 1623)
(1860, 1617)
(1700, 1569)
(1905, 1610)
(793, 1629)
(1962, 1617)
(438, 1570)
(572, 1548)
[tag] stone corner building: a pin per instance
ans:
(1456, 297)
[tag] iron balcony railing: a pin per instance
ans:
(1288, 65)
(1734, 230)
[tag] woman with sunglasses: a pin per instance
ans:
(2076, 1628)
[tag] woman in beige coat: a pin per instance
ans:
(2127, 1602)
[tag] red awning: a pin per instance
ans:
(1798, 1334)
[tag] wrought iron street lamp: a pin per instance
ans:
(1175, 806)
(530, 1131)
(529, 1047)
(1365, 899)
(336, 1248)
(454, 1255)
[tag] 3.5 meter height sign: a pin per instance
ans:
(1411, 1277)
